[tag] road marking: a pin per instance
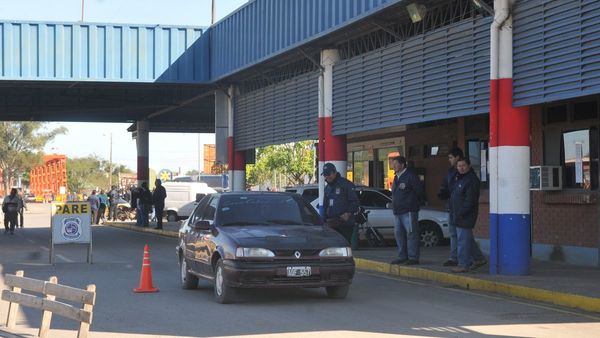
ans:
(59, 256)
(31, 241)
(473, 292)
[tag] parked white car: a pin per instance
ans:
(180, 194)
(433, 223)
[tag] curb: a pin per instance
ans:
(569, 300)
(149, 230)
(585, 303)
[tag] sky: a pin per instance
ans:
(177, 152)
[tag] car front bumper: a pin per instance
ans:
(242, 274)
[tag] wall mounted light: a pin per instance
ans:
(416, 11)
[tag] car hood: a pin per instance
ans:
(284, 236)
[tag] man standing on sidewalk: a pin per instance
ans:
(464, 203)
(340, 202)
(113, 202)
(444, 194)
(407, 193)
(94, 206)
(158, 199)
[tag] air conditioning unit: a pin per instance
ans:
(545, 178)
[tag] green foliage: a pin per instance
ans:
(191, 172)
(87, 173)
(21, 145)
(294, 160)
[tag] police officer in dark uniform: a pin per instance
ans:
(340, 202)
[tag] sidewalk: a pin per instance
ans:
(555, 283)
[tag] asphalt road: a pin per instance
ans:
(377, 305)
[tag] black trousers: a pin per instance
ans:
(10, 220)
(159, 211)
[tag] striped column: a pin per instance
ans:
(510, 224)
(236, 159)
(331, 148)
(143, 150)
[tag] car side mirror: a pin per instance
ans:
(389, 205)
(202, 225)
(199, 197)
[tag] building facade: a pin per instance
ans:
(48, 181)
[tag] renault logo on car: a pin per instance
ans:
(297, 254)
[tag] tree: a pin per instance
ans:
(294, 161)
(87, 173)
(21, 145)
(191, 172)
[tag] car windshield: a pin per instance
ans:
(266, 209)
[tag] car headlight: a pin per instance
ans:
(336, 252)
(253, 252)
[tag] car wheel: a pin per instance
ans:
(171, 216)
(188, 281)
(121, 215)
(223, 294)
(337, 292)
(431, 235)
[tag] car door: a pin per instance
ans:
(380, 216)
(191, 235)
(204, 238)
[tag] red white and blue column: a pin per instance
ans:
(236, 160)
(143, 150)
(510, 225)
(331, 148)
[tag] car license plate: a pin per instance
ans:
(298, 271)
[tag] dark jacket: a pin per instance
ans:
(464, 200)
(447, 184)
(340, 198)
(158, 195)
(407, 193)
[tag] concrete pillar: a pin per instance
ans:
(143, 147)
(331, 148)
(221, 126)
(510, 224)
(236, 162)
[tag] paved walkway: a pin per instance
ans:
(556, 283)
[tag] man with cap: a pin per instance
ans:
(340, 202)
(407, 194)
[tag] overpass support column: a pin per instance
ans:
(509, 156)
(221, 129)
(332, 148)
(236, 159)
(142, 142)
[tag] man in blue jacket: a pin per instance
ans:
(444, 194)
(464, 203)
(407, 194)
(340, 202)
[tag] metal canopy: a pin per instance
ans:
(169, 108)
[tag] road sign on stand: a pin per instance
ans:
(71, 224)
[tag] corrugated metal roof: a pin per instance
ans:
(265, 28)
(102, 52)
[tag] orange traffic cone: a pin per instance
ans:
(146, 275)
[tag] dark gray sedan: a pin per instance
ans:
(262, 240)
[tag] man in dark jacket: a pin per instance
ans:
(340, 202)
(464, 203)
(407, 194)
(158, 199)
(444, 194)
(10, 207)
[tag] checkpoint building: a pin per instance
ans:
(514, 83)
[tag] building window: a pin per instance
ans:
(477, 153)
(579, 159)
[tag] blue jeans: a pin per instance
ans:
(453, 240)
(468, 250)
(406, 231)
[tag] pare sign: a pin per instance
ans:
(71, 209)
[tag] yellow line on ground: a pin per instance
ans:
(558, 298)
(143, 229)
